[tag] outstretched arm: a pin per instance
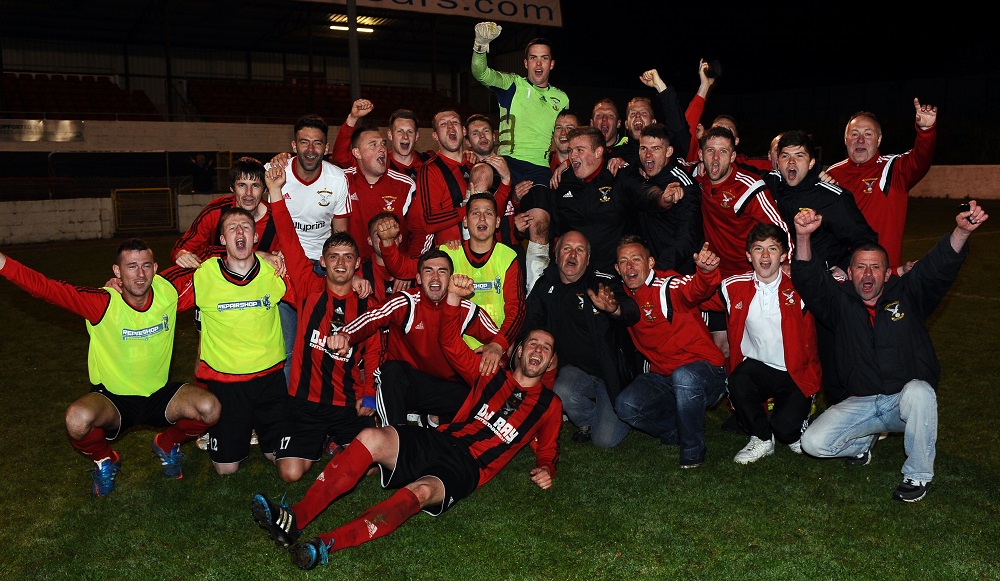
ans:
(88, 302)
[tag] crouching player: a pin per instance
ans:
(131, 342)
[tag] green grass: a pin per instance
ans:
(627, 512)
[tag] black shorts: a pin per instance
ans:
(140, 410)
(716, 320)
(425, 452)
(307, 424)
(254, 405)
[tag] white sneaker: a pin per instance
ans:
(754, 450)
(796, 446)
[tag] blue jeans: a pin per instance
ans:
(586, 402)
(672, 407)
(849, 427)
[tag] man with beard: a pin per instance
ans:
(884, 354)
(315, 193)
(316, 190)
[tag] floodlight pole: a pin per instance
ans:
(352, 49)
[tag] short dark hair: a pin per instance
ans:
(359, 130)
(761, 231)
(590, 132)
(431, 255)
(403, 114)
(514, 361)
(631, 239)
(482, 196)
(717, 131)
(246, 168)
(870, 247)
(568, 113)
(539, 40)
(797, 138)
(657, 130)
(314, 121)
(479, 117)
(340, 239)
(131, 245)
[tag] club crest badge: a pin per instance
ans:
(894, 313)
(324, 197)
(869, 182)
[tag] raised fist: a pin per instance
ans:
(486, 32)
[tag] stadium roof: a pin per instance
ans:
(254, 25)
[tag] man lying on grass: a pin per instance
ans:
(433, 468)
(131, 342)
(885, 357)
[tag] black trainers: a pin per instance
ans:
(582, 435)
(910, 491)
(310, 554)
(865, 458)
(277, 519)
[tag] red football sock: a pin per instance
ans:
(340, 475)
(94, 445)
(183, 431)
(376, 522)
